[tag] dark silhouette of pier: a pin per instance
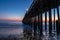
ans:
(34, 18)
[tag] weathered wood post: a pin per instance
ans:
(41, 27)
(54, 19)
(57, 22)
(50, 22)
(35, 27)
(45, 21)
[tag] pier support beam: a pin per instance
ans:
(40, 24)
(41, 27)
(57, 22)
(31, 25)
(45, 21)
(50, 22)
(32, 19)
(54, 19)
(35, 28)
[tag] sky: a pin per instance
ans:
(13, 9)
(52, 12)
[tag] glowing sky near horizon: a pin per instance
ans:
(13, 9)
(52, 12)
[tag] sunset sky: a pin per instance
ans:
(13, 9)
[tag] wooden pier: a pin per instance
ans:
(37, 9)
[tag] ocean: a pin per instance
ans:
(46, 35)
(16, 29)
(11, 29)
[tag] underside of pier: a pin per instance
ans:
(34, 16)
